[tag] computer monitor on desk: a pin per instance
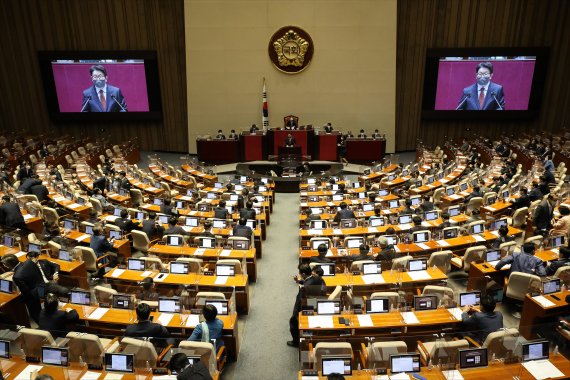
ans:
(328, 269)
(427, 302)
(348, 223)
(418, 264)
(220, 305)
(371, 268)
(376, 222)
(377, 305)
(404, 219)
(318, 224)
(430, 215)
(123, 301)
(393, 204)
(136, 264)
(498, 224)
(207, 242)
(178, 267)
(551, 286)
(405, 363)
(191, 221)
(454, 211)
(174, 240)
(473, 358)
(337, 197)
(421, 236)
(6, 286)
(328, 307)
(225, 270)
(57, 356)
(80, 297)
(4, 349)
(341, 364)
(556, 241)
(123, 363)
(64, 255)
(169, 305)
(537, 350)
(469, 298)
(354, 243)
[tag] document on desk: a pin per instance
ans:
(555, 250)
(59, 199)
(396, 248)
(193, 320)
(314, 232)
(98, 313)
(373, 279)
(329, 253)
(74, 206)
(330, 204)
(337, 231)
(442, 243)
(26, 372)
(410, 318)
(199, 251)
(423, 246)
(478, 238)
(449, 375)
(543, 301)
(91, 376)
(542, 369)
(372, 230)
(146, 273)
(28, 216)
(113, 376)
(456, 312)
(117, 272)
(496, 233)
(309, 378)
(405, 226)
(322, 321)
(221, 280)
(164, 377)
(83, 237)
(20, 254)
(365, 320)
(151, 188)
(419, 275)
(395, 376)
(225, 252)
(489, 208)
(165, 318)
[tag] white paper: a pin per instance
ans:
(113, 376)
(151, 188)
(117, 272)
(199, 251)
(542, 369)
(405, 226)
(453, 375)
(74, 205)
(330, 204)
(454, 196)
(164, 377)
(544, 301)
(98, 313)
(59, 199)
(423, 246)
(337, 231)
(83, 237)
(90, 376)
(396, 248)
(314, 232)
(221, 280)
(410, 318)
(365, 320)
(496, 233)
(329, 253)
(321, 321)
(442, 243)
(396, 376)
(419, 275)
(555, 250)
(28, 216)
(111, 218)
(25, 374)
(165, 318)
(225, 252)
(309, 378)
(303, 204)
(146, 273)
(478, 238)
(372, 230)
(456, 312)
(193, 320)
(20, 254)
(373, 279)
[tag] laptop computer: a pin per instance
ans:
(225, 270)
(341, 364)
(328, 307)
(418, 264)
(405, 363)
(6, 286)
(328, 269)
(169, 305)
(536, 350)
(58, 356)
(371, 268)
(469, 298)
(473, 358)
(220, 305)
(178, 267)
(4, 349)
(80, 297)
(427, 302)
(123, 301)
(551, 286)
(136, 264)
(123, 363)
(175, 241)
(64, 255)
(377, 305)
(493, 256)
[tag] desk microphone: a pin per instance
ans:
(85, 104)
(116, 101)
(494, 95)
(465, 97)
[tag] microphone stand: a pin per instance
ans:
(116, 101)
(467, 96)
(493, 94)
(86, 102)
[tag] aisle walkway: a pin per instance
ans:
(266, 328)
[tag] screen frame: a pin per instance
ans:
(150, 58)
(536, 92)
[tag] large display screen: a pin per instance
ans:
(484, 83)
(101, 85)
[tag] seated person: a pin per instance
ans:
(476, 193)
(212, 328)
(561, 225)
(376, 135)
(147, 292)
(387, 251)
(446, 223)
(525, 261)
(233, 135)
(208, 229)
(144, 328)
(180, 364)
(107, 207)
(253, 129)
(310, 217)
(241, 229)
(417, 224)
(322, 251)
(475, 216)
(362, 135)
(173, 229)
(220, 211)
(248, 212)
(99, 243)
(535, 193)
(152, 228)
(167, 208)
(55, 321)
(290, 123)
(328, 128)
(426, 205)
(220, 135)
(484, 321)
(344, 213)
(563, 260)
(503, 237)
(377, 214)
(124, 223)
(363, 254)
(289, 141)
(407, 210)
(522, 201)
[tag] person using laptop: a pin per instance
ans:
(417, 225)
(426, 205)
(220, 211)
(322, 251)
(107, 207)
(563, 260)
(54, 320)
(503, 237)
(344, 213)
(241, 229)
(407, 210)
(248, 212)
(208, 230)
(363, 254)
(99, 243)
(310, 217)
(446, 223)
(476, 193)
(211, 328)
(180, 364)
(525, 261)
(173, 229)
(483, 321)
(522, 201)
(167, 208)
(124, 223)
(144, 328)
(147, 292)
(387, 252)
(152, 229)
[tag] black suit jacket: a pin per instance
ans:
(493, 98)
(125, 184)
(152, 230)
(28, 275)
(40, 191)
(243, 231)
(92, 103)
(290, 141)
(520, 202)
(247, 213)
(321, 260)
(221, 213)
(56, 323)
(344, 214)
(27, 185)
(195, 372)
(176, 230)
(146, 329)
(125, 224)
(543, 216)
(11, 216)
(100, 183)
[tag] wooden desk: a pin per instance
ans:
(150, 189)
(14, 307)
(495, 210)
(123, 246)
(33, 223)
(452, 177)
(200, 176)
(157, 171)
(253, 146)
(534, 314)
(326, 146)
(130, 278)
(71, 206)
(209, 255)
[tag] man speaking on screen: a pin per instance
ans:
(102, 97)
(483, 95)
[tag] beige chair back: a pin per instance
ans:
(235, 262)
(32, 341)
(140, 241)
(86, 346)
(401, 263)
(441, 260)
(330, 348)
(520, 284)
(201, 297)
(445, 295)
(144, 351)
(501, 344)
(393, 298)
(475, 253)
(194, 265)
(104, 294)
(519, 217)
(379, 353)
(206, 350)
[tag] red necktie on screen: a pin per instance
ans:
(482, 98)
(103, 101)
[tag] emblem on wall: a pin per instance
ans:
(290, 49)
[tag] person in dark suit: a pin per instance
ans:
(328, 128)
(483, 95)
(207, 230)
(233, 135)
(387, 252)
(322, 251)
(543, 214)
(152, 229)
(124, 223)
(307, 279)
(55, 321)
(361, 135)
(289, 141)
(484, 321)
(148, 292)
(40, 191)
(24, 171)
(291, 124)
(253, 129)
(476, 193)
(102, 97)
(407, 210)
(220, 135)
(124, 181)
(426, 205)
(167, 208)
(535, 192)
(248, 212)
(27, 184)
(376, 135)
(242, 230)
(522, 201)
(563, 260)
(101, 183)
(344, 213)
(144, 328)
(179, 363)
(524, 261)
(10, 214)
(363, 254)
(310, 217)
(220, 211)
(173, 229)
